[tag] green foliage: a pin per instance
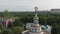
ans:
(26, 17)
(17, 30)
(7, 31)
(1, 32)
(10, 25)
(1, 26)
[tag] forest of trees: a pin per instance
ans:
(52, 19)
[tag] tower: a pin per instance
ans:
(36, 18)
(36, 28)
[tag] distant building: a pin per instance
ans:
(36, 28)
(6, 21)
(56, 11)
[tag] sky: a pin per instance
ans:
(28, 5)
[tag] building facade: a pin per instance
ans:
(6, 21)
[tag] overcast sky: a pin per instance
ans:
(27, 5)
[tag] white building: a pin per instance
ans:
(36, 28)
